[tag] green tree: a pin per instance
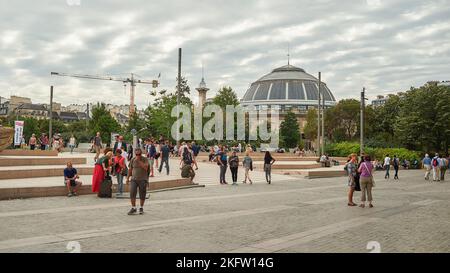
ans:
(310, 129)
(424, 118)
(158, 115)
(103, 122)
(226, 96)
(290, 131)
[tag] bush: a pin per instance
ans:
(343, 149)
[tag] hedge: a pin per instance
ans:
(343, 149)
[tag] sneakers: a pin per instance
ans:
(141, 211)
(70, 195)
(132, 211)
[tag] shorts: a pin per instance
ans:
(73, 183)
(142, 185)
(157, 156)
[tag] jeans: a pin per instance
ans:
(396, 172)
(234, 173)
(71, 148)
(268, 170)
(388, 167)
(164, 160)
(223, 171)
(120, 183)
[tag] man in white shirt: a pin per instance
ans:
(387, 166)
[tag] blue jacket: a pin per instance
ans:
(427, 161)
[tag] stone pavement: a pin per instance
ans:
(291, 215)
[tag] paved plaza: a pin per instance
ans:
(293, 214)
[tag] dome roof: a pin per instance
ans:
(287, 84)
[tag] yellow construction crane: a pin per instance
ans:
(131, 80)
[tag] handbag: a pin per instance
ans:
(357, 184)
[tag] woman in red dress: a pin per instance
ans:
(102, 166)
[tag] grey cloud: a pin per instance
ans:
(386, 46)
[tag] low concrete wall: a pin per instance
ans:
(325, 174)
(33, 173)
(28, 153)
(280, 166)
(5, 162)
(34, 192)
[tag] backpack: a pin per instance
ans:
(434, 162)
(187, 158)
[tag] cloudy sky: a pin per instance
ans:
(384, 45)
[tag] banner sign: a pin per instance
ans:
(18, 134)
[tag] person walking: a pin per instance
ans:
(195, 151)
(120, 143)
(138, 173)
(443, 164)
(97, 144)
(151, 153)
(32, 142)
(157, 153)
(101, 170)
(366, 181)
(247, 163)
(233, 161)
(351, 173)
(165, 153)
(396, 163)
(120, 170)
(436, 169)
(72, 143)
(268, 162)
(426, 161)
(222, 161)
(387, 166)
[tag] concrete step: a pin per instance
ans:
(49, 191)
(36, 161)
(28, 153)
(281, 166)
(21, 172)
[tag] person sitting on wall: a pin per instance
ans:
(71, 180)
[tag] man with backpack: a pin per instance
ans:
(187, 158)
(436, 169)
(396, 163)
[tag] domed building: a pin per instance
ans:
(288, 88)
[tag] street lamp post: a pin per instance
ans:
(318, 115)
(363, 106)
